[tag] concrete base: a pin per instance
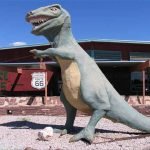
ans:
(36, 106)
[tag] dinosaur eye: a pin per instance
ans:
(53, 8)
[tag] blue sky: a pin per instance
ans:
(91, 19)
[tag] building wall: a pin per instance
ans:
(13, 83)
(101, 50)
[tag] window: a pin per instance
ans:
(104, 54)
(136, 85)
(139, 56)
(90, 52)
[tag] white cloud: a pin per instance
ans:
(18, 43)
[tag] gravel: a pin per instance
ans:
(21, 132)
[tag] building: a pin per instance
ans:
(126, 64)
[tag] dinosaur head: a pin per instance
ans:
(48, 20)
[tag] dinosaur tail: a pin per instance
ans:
(122, 112)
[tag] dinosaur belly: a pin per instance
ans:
(71, 85)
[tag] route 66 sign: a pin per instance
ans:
(38, 80)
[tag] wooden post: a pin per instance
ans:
(45, 99)
(143, 79)
(42, 64)
(43, 67)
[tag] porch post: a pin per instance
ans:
(43, 67)
(143, 76)
(45, 99)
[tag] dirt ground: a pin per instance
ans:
(21, 132)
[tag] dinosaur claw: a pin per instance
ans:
(32, 51)
(83, 135)
(64, 132)
(37, 53)
(86, 140)
(72, 140)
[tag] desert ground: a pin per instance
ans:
(21, 133)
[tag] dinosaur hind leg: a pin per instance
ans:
(71, 113)
(88, 132)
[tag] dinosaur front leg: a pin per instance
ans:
(71, 113)
(39, 53)
(88, 132)
(53, 52)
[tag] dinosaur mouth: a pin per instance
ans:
(38, 21)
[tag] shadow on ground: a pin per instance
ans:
(32, 125)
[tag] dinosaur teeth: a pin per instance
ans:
(38, 21)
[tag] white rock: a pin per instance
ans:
(49, 131)
(45, 133)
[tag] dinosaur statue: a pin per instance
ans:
(85, 87)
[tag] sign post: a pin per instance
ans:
(39, 79)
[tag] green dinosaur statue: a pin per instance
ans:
(85, 87)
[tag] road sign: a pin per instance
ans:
(38, 80)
